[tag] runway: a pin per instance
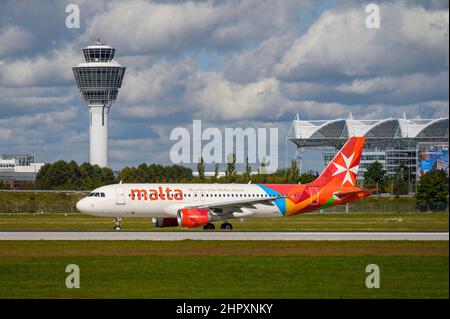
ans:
(224, 235)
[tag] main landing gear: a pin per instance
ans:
(226, 226)
(117, 222)
(209, 226)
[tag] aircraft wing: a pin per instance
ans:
(249, 203)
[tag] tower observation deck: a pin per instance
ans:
(99, 79)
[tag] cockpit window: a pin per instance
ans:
(96, 194)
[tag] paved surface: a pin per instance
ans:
(223, 235)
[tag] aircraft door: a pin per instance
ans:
(120, 195)
(314, 195)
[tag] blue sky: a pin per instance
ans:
(210, 60)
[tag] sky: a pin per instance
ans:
(248, 64)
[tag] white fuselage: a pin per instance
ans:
(165, 200)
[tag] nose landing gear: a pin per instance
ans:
(117, 222)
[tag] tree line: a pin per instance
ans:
(290, 175)
(63, 175)
(402, 183)
(431, 191)
(71, 176)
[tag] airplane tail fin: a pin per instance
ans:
(342, 170)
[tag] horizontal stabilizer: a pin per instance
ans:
(362, 191)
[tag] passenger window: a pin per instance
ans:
(102, 194)
(97, 195)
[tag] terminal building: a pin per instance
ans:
(419, 144)
(16, 169)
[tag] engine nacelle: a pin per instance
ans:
(165, 222)
(192, 217)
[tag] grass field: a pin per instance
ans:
(215, 269)
(316, 221)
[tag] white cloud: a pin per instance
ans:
(221, 99)
(254, 64)
(338, 45)
(399, 90)
(5, 134)
(173, 27)
(161, 80)
(51, 69)
(14, 39)
(35, 132)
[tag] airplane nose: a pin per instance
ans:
(82, 206)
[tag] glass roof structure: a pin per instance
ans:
(334, 133)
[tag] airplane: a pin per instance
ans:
(199, 205)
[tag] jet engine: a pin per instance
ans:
(190, 217)
(165, 222)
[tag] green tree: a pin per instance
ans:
(432, 191)
(294, 173)
(54, 176)
(248, 170)
(125, 175)
(375, 174)
(201, 169)
(43, 177)
(262, 172)
(230, 172)
(216, 172)
(401, 180)
(108, 176)
(75, 175)
(153, 173)
(307, 177)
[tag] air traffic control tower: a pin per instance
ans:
(99, 79)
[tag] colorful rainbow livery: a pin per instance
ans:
(196, 205)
